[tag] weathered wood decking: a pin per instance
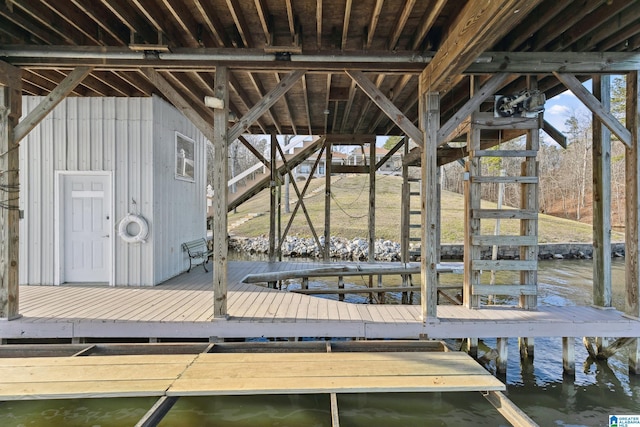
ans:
(182, 308)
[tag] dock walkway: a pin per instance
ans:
(182, 308)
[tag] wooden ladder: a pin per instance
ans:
(476, 285)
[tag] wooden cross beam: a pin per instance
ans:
(592, 103)
(264, 104)
(56, 96)
(386, 106)
(178, 101)
(479, 25)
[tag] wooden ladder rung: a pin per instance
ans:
(503, 265)
(415, 239)
(414, 193)
(415, 212)
(503, 153)
(504, 214)
(509, 290)
(490, 240)
(505, 179)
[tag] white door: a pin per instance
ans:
(86, 228)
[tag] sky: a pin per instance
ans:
(559, 108)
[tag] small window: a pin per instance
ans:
(185, 158)
(304, 168)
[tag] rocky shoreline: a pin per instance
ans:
(387, 250)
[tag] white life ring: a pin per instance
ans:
(143, 229)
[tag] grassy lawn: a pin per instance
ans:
(349, 214)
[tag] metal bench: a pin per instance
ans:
(197, 251)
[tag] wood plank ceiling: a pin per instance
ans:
(46, 39)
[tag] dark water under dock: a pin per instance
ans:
(598, 389)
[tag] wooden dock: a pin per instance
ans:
(182, 308)
(174, 371)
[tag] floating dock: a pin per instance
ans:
(177, 370)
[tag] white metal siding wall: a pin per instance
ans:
(179, 206)
(86, 134)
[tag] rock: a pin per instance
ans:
(558, 256)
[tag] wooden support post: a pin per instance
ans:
(526, 348)
(327, 202)
(529, 202)
(340, 286)
(272, 199)
(221, 190)
(430, 124)
(503, 354)
(632, 228)
(472, 347)
(372, 202)
(405, 212)
(10, 112)
(601, 198)
(472, 197)
(634, 357)
(568, 355)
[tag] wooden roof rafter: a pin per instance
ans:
(186, 24)
(305, 93)
(42, 32)
(136, 25)
(345, 23)
(73, 18)
(101, 17)
(401, 21)
(286, 105)
(241, 24)
(212, 23)
(373, 23)
(318, 24)
(265, 21)
(394, 93)
(348, 106)
(427, 21)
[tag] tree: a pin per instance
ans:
(391, 142)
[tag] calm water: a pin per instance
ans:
(597, 390)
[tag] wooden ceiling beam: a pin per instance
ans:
(395, 92)
(35, 29)
(137, 81)
(593, 104)
(401, 22)
(73, 18)
(589, 24)
(125, 14)
(257, 85)
(427, 21)
(318, 24)
(478, 26)
(265, 18)
(386, 106)
(533, 23)
(305, 94)
(45, 18)
(563, 22)
(348, 106)
(241, 24)
(367, 104)
(291, 19)
(101, 17)
(58, 94)
(601, 36)
(264, 104)
(212, 22)
(115, 81)
(245, 99)
(373, 23)
(345, 23)
(45, 80)
(182, 84)
(15, 33)
(203, 124)
(185, 23)
(286, 106)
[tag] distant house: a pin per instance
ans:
(360, 156)
(115, 186)
(302, 171)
